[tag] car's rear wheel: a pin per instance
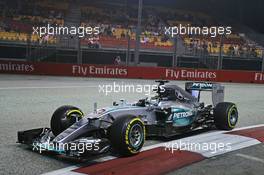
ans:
(127, 135)
(64, 117)
(225, 116)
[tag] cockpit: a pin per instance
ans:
(169, 93)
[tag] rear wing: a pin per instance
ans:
(217, 90)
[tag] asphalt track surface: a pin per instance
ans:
(28, 102)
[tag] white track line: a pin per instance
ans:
(68, 170)
(256, 159)
(236, 142)
(214, 140)
(199, 137)
(63, 171)
(248, 127)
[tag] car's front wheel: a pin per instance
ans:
(64, 117)
(127, 135)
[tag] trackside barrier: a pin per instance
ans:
(110, 71)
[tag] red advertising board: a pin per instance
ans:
(110, 71)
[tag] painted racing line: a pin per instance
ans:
(168, 156)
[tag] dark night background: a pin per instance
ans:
(247, 12)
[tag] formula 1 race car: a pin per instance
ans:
(123, 127)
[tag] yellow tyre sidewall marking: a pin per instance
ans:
(229, 115)
(127, 133)
(74, 111)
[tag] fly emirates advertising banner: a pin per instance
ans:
(110, 71)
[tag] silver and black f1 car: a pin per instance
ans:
(124, 126)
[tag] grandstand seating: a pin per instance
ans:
(116, 24)
(112, 42)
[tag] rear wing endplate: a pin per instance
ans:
(217, 90)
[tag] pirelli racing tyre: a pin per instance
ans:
(127, 135)
(64, 117)
(225, 116)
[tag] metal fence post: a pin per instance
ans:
(128, 50)
(262, 61)
(79, 52)
(220, 58)
(138, 33)
(174, 57)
